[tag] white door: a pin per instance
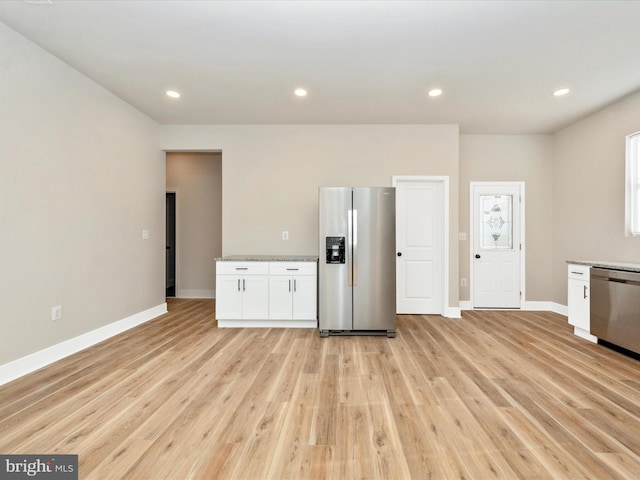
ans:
(420, 246)
(496, 245)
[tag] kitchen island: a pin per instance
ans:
(267, 291)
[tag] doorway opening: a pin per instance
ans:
(193, 185)
(170, 283)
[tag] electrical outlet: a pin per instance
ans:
(463, 282)
(56, 313)
(145, 234)
(462, 236)
(285, 235)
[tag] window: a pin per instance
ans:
(632, 210)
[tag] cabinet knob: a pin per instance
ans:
(477, 256)
(399, 254)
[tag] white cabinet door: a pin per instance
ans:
(292, 298)
(579, 301)
(293, 291)
(255, 297)
(280, 297)
(304, 297)
(579, 310)
(228, 297)
(242, 291)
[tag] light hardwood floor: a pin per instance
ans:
(492, 395)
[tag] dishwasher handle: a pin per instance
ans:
(616, 276)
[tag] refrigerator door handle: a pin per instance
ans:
(354, 261)
(349, 247)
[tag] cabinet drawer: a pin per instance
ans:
(292, 268)
(579, 272)
(243, 268)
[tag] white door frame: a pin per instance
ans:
(447, 311)
(472, 234)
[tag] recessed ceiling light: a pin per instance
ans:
(173, 94)
(300, 92)
(435, 92)
(560, 92)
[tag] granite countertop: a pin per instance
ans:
(624, 266)
(268, 258)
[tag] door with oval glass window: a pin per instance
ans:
(496, 246)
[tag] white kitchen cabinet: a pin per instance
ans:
(263, 293)
(292, 291)
(242, 291)
(579, 298)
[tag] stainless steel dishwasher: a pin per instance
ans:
(615, 307)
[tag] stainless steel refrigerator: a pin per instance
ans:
(357, 266)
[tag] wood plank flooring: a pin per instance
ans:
(494, 395)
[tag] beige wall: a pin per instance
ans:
(514, 158)
(272, 174)
(81, 175)
(197, 180)
(588, 200)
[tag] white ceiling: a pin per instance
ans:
(363, 62)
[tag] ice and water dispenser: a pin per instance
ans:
(335, 249)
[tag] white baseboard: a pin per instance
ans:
(196, 294)
(35, 361)
(560, 309)
(452, 312)
(547, 307)
(529, 306)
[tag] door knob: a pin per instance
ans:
(399, 254)
(477, 256)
